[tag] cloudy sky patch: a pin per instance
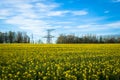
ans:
(66, 16)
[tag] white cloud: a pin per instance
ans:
(63, 12)
(38, 16)
(81, 12)
(30, 24)
(35, 26)
(18, 1)
(57, 13)
(46, 7)
(29, 17)
(23, 6)
(95, 28)
(65, 22)
(4, 13)
(37, 10)
(92, 27)
(114, 24)
(99, 27)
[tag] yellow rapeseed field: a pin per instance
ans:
(60, 62)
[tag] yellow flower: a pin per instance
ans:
(18, 72)
(45, 77)
(29, 75)
(10, 75)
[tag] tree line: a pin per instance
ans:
(22, 37)
(14, 37)
(63, 39)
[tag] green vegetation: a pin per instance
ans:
(22, 37)
(60, 62)
(14, 37)
(63, 39)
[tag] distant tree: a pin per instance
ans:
(19, 38)
(118, 40)
(11, 36)
(61, 39)
(101, 39)
(70, 38)
(112, 40)
(5, 38)
(87, 39)
(77, 40)
(1, 37)
(26, 38)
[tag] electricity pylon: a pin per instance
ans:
(32, 41)
(49, 36)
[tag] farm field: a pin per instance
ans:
(59, 61)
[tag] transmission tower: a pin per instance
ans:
(49, 36)
(32, 41)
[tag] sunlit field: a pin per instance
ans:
(60, 62)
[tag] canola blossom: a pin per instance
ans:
(60, 62)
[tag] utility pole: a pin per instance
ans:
(49, 36)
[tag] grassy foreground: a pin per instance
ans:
(60, 62)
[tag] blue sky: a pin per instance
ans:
(100, 17)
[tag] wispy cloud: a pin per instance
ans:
(92, 27)
(4, 13)
(38, 15)
(114, 24)
(81, 12)
(33, 25)
(57, 13)
(96, 26)
(46, 7)
(30, 16)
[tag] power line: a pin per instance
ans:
(49, 36)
